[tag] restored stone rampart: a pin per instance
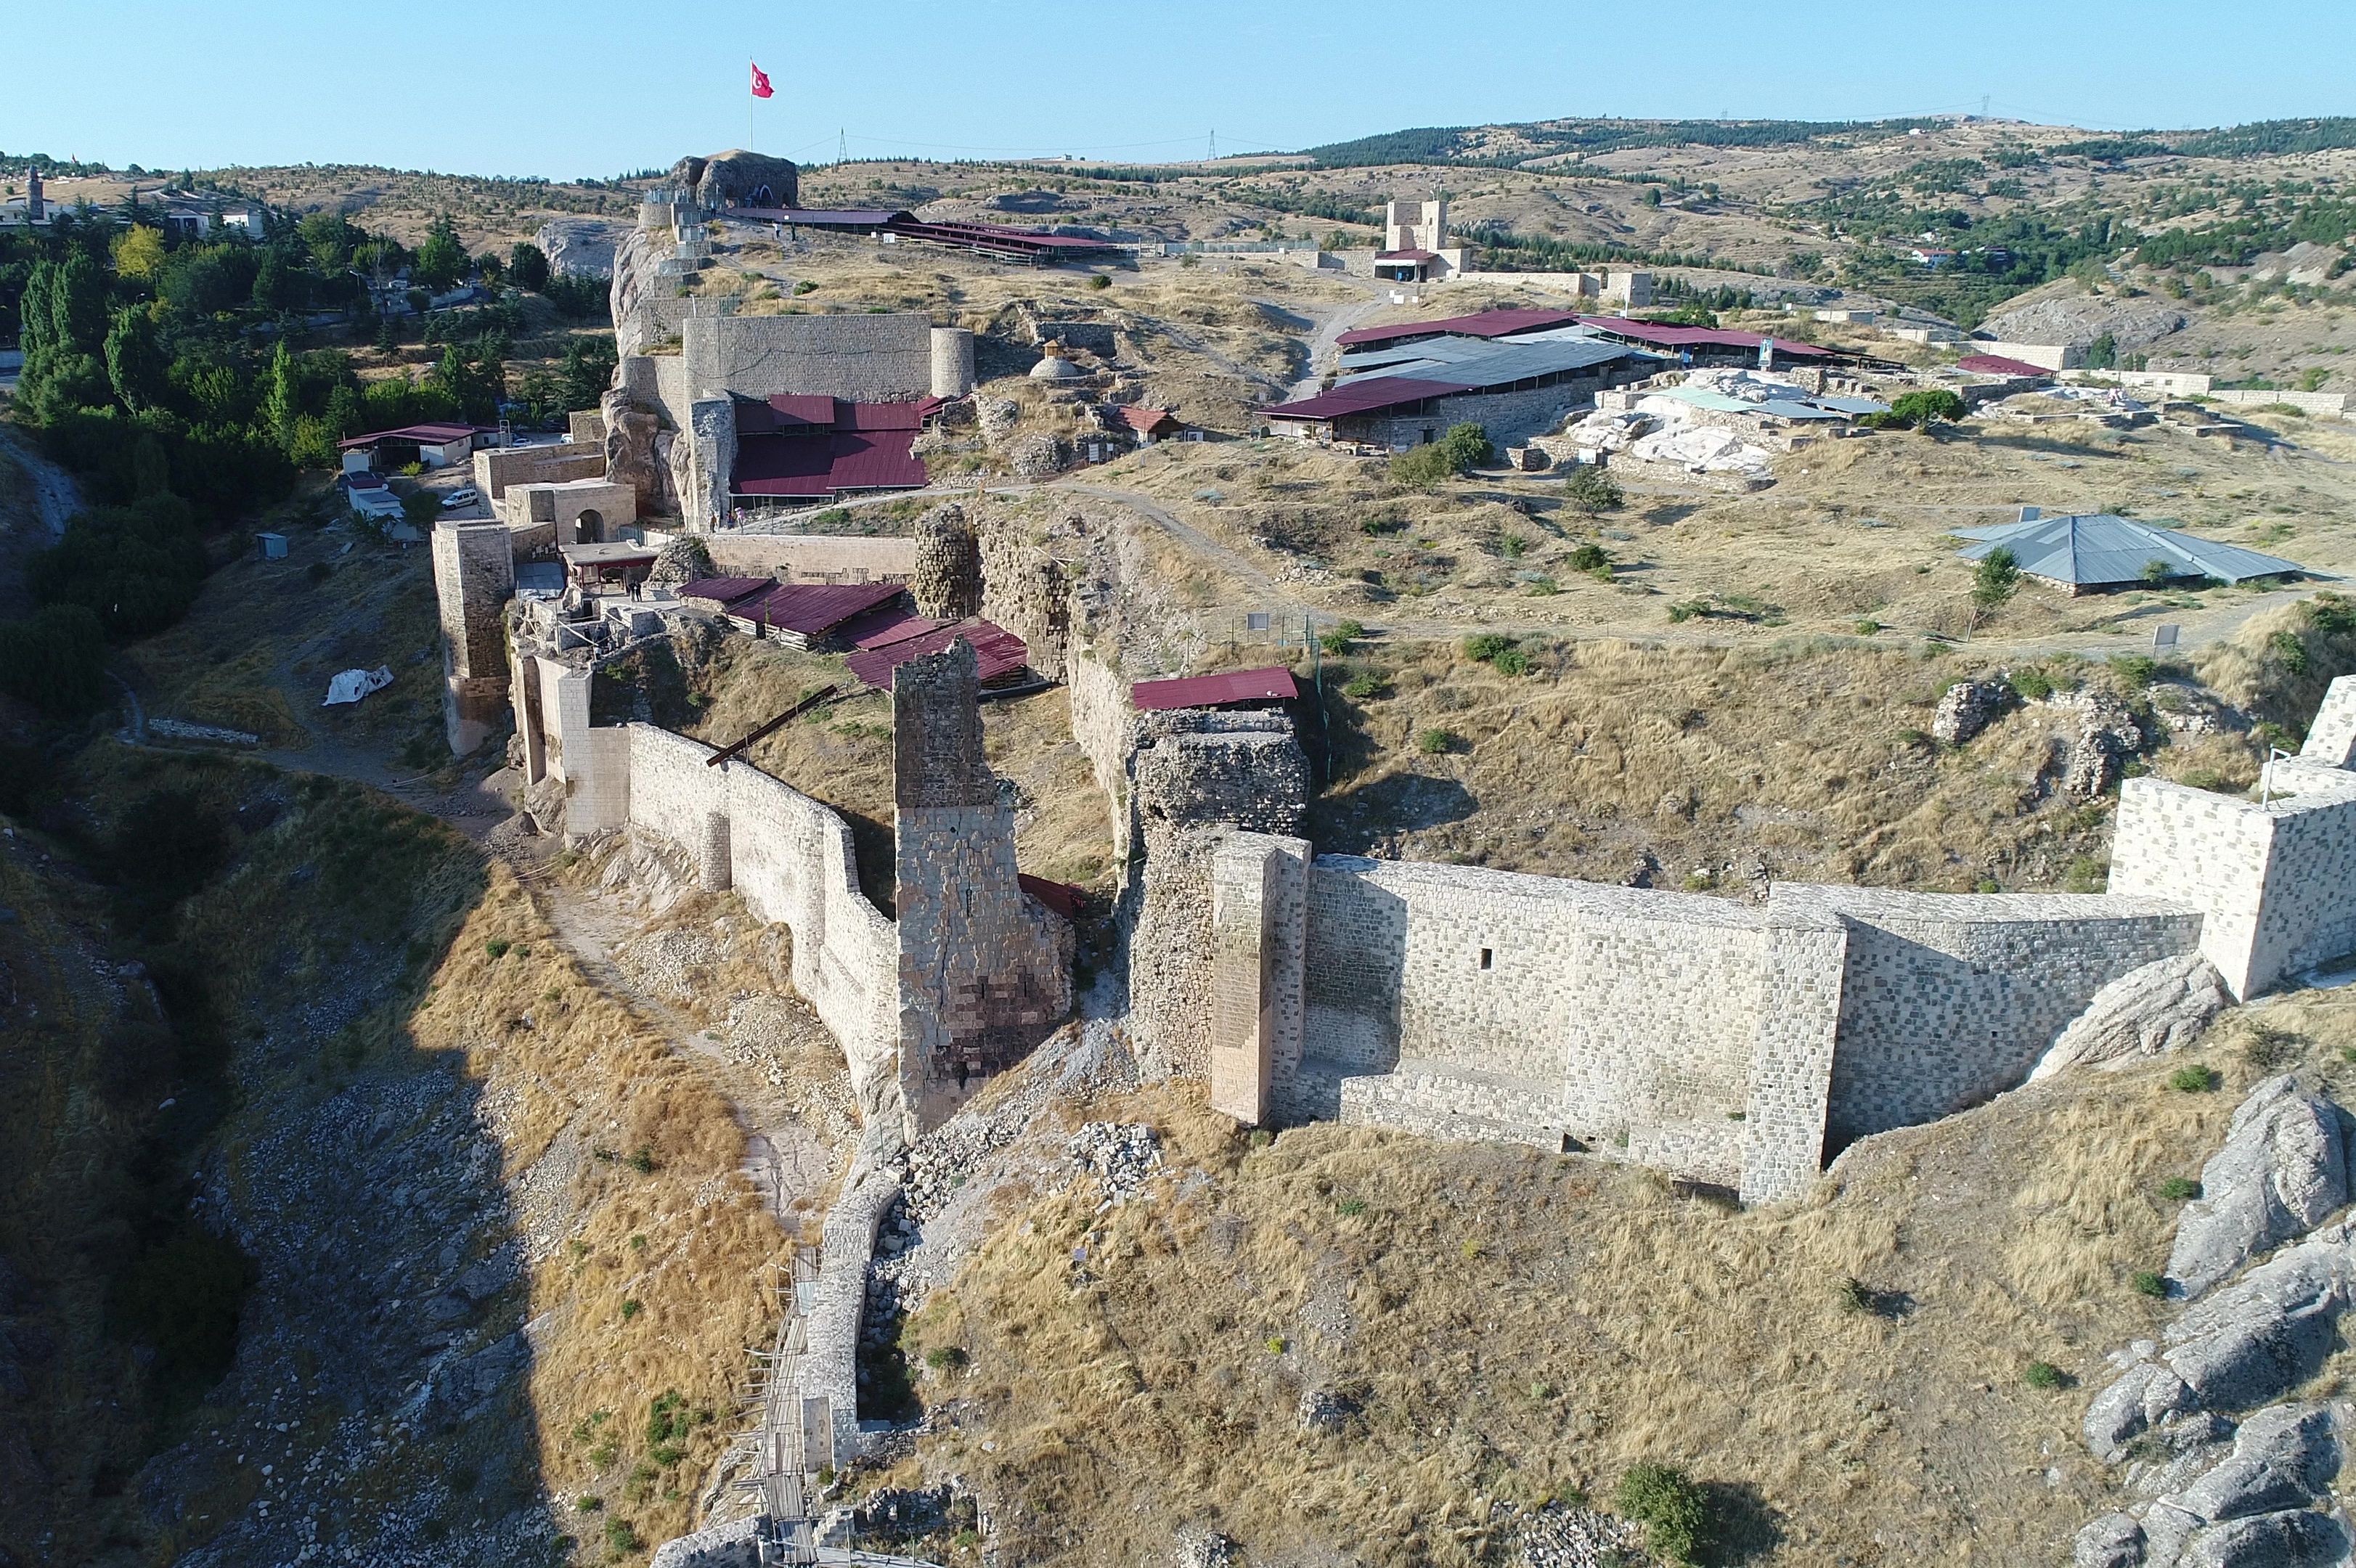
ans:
(474, 573)
(1948, 999)
(2276, 882)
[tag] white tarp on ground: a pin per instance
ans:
(1705, 449)
(354, 684)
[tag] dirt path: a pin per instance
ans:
(1325, 340)
(53, 487)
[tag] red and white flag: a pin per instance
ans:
(761, 83)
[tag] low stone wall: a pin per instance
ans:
(838, 1303)
(814, 558)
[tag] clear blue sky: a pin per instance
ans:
(597, 87)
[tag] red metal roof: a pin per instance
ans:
(1487, 324)
(1212, 690)
(990, 236)
(1665, 336)
(998, 652)
(1145, 420)
(1064, 898)
(821, 463)
(883, 416)
(1374, 393)
(814, 609)
(727, 589)
(1997, 364)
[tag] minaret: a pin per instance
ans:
(33, 209)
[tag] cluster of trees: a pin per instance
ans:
(164, 370)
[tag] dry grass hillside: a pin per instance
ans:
(1846, 1375)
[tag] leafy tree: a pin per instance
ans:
(64, 333)
(527, 266)
(139, 252)
(137, 568)
(472, 381)
(2103, 353)
(136, 362)
(420, 507)
(442, 259)
(281, 395)
(1921, 410)
(1997, 579)
(587, 371)
(276, 285)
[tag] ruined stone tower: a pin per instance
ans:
(985, 969)
(946, 580)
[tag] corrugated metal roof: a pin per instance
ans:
(1064, 898)
(1793, 407)
(821, 463)
(1997, 364)
(1487, 324)
(1657, 334)
(1497, 366)
(2093, 549)
(814, 609)
(430, 434)
(724, 590)
(1273, 683)
(824, 216)
(998, 652)
(1364, 395)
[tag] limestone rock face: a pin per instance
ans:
(2283, 1458)
(635, 260)
(580, 246)
(2114, 1540)
(1968, 708)
(681, 560)
(2283, 1168)
(2255, 1340)
(2160, 1007)
(631, 434)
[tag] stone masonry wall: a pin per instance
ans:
(791, 860)
(1792, 1052)
(862, 358)
(814, 558)
(1258, 929)
(1948, 999)
(473, 576)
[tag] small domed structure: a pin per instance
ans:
(1055, 367)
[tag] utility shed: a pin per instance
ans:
(2100, 550)
(1001, 659)
(808, 615)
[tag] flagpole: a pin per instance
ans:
(748, 106)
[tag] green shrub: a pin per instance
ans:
(1433, 742)
(1591, 490)
(2194, 1079)
(2032, 683)
(1855, 1295)
(1100, 281)
(1276, 1344)
(1511, 545)
(621, 1537)
(630, 1309)
(2179, 1189)
(1337, 638)
(1995, 579)
(1590, 558)
(1922, 409)
(946, 1358)
(1513, 661)
(1542, 587)
(1366, 684)
(2147, 1283)
(2044, 1375)
(2136, 670)
(56, 660)
(1867, 628)
(588, 1502)
(1485, 646)
(1351, 1208)
(1673, 1510)
(497, 946)
(1464, 447)
(642, 1160)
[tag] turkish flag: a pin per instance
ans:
(761, 83)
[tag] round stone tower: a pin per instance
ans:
(952, 361)
(946, 581)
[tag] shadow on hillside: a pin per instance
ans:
(1749, 1527)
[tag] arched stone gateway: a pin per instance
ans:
(589, 526)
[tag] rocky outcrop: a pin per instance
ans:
(2251, 1504)
(2108, 736)
(730, 1545)
(2132, 323)
(681, 560)
(1968, 708)
(633, 440)
(1036, 456)
(737, 178)
(2161, 1007)
(2283, 1170)
(580, 246)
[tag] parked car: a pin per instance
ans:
(464, 495)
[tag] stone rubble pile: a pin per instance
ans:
(1556, 1536)
(1969, 707)
(2229, 1473)
(1122, 1155)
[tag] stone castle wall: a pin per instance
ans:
(474, 574)
(814, 558)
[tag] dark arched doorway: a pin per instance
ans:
(760, 197)
(589, 528)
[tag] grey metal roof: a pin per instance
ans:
(1490, 366)
(1453, 349)
(2097, 549)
